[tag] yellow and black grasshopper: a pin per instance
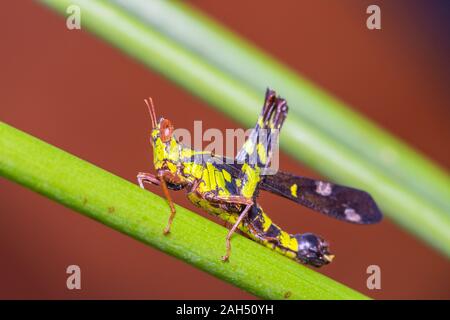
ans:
(229, 189)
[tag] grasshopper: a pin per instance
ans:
(229, 189)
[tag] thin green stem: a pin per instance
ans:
(143, 215)
(303, 139)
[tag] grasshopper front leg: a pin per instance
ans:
(144, 177)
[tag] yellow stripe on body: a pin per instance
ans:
(249, 147)
(158, 152)
(187, 168)
(205, 185)
(253, 177)
(220, 180)
(188, 153)
(260, 122)
(172, 168)
(212, 176)
(294, 188)
(267, 222)
(226, 175)
(261, 152)
(197, 170)
(287, 241)
(174, 151)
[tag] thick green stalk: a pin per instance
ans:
(141, 214)
(302, 139)
(232, 54)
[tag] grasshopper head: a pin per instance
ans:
(166, 149)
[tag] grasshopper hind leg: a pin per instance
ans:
(256, 154)
(144, 177)
(257, 150)
(242, 216)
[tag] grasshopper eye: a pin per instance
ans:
(166, 130)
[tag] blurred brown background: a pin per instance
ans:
(80, 94)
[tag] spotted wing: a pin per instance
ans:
(336, 201)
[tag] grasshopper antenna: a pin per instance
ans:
(151, 110)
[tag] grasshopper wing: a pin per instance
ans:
(340, 202)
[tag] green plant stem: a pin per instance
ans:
(235, 56)
(143, 215)
(300, 138)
